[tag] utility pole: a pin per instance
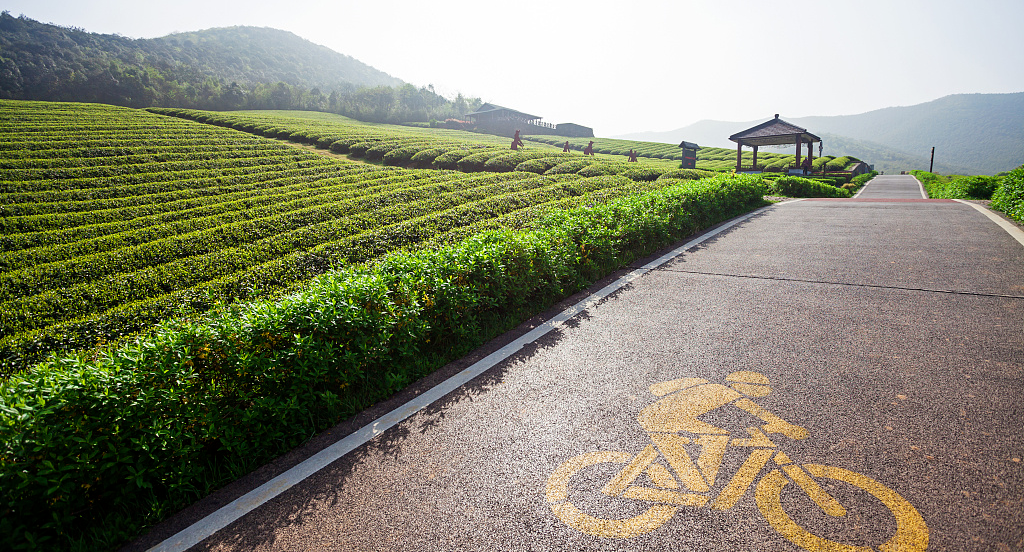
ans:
(932, 163)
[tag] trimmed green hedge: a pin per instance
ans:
(570, 167)
(1009, 196)
(95, 447)
(686, 174)
(795, 186)
(958, 187)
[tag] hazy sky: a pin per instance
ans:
(630, 66)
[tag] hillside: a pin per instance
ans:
(214, 68)
(971, 133)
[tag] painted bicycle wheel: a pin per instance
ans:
(558, 492)
(911, 532)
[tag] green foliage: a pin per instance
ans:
(686, 174)
(115, 439)
(476, 161)
(570, 167)
(1009, 196)
(642, 173)
(509, 161)
(603, 169)
(840, 163)
(540, 165)
(450, 160)
(116, 219)
(957, 187)
(858, 181)
(795, 186)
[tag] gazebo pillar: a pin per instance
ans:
(754, 165)
(739, 157)
(799, 142)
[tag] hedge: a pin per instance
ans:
(1009, 196)
(96, 447)
(686, 174)
(795, 186)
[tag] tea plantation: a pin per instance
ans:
(182, 301)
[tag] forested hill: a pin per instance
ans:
(258, 54)
(217, 68)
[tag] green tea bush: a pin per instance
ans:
(686, 174)
(840, 163)
(1009, 196)
(795, 186)
(450, 160)
(377, 151)
(507, 162)
(604, 169)
(541, 165)
(476, 161)
(821, 162)
(425, 158)
(642, 173)
(94, 447)
(570, 167)
(401, 156)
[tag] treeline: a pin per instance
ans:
(218, 69)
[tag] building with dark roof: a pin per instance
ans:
(500, 120)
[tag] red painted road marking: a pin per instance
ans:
(879, 200)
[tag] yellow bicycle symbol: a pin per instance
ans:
(676, 413)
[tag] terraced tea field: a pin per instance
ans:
(113, 219)
(419, 147)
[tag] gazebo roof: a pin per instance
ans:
(772, 133)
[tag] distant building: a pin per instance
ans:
(573, 130)
(489, 115)
(503, 121)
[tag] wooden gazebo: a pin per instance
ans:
(773, 133)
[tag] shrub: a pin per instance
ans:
(686, 174)
(358, 149)
(90, 442)
(541, 165)
(1009, 196)
(425, 158)
(380, 149)
(957, 187)
(507, 162)
(450, 160)
(603, 169)
(642, 174)
(475, 162)
(856, 182)
(401, 156)
(570, 167)
(839, 163)
(795, 186)
(975, 187)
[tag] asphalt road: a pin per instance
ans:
(890, 331)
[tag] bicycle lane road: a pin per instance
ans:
(889, 329)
